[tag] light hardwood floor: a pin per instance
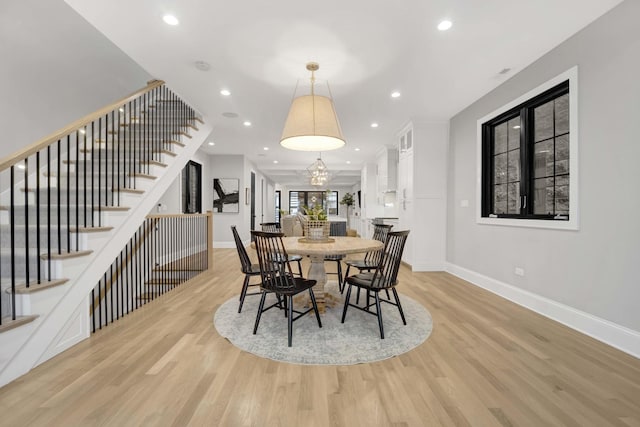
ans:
(488, 362)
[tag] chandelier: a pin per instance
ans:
(318, 173)
(312, 123)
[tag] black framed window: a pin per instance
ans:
(327, 199)
(525, 159)
(277, 205)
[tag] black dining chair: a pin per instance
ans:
(277, 278)
(248, 269)
(384, 277)
(337, 228)
(372, 258)
(274, 227)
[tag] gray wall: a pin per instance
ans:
(594, 269)
(56, 68)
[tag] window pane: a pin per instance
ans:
(500, 199)
(514, 133)
(562, 155)
(543, 121)
(513, 198)
(514, 166)
(500, 169)
(562, 195)
(543, 196)
(543, 159)
(500, 138)
(562, 114)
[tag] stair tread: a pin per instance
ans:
(34, 286)
(67, 255)
(8, 323)
(90, 229)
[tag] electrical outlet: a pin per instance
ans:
(519, 271)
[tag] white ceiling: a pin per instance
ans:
(366, 50)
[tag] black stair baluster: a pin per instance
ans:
(38, 243)
(12, 222)
(26, 221)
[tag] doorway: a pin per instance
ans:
(192, 188)
(253, 201)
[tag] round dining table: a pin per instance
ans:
(337, 245)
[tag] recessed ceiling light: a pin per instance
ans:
(212, 143)
(348, 162)
(374, 125)
(395, 94)
(203, 66)
(516, 127)
(266, 148)
(225, 92)
(444, 25)
(170, 19)
(82, 131)
(230, 115)
(21, 167)
(121, 110)
(356, 149)
(275, 161)
(247, 123)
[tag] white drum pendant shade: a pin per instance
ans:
(312, 125)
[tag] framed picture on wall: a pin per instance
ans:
(226, 195)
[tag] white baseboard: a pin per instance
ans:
(610, 333)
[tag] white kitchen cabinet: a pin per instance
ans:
(421, 193)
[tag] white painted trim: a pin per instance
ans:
(572, 224)
(610, 333)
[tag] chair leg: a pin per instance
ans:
(262, 298)
(395, 294)
(358, 297)
(315, 306)
(344, 280)
(379, 315)
(290, 319)
(243, 294)
(340, 282)
(346, 303)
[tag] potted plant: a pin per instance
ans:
(348, 200)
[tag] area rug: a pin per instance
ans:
(355, 341)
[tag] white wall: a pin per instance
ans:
(593, 270)
(56, 68)
(171, 200)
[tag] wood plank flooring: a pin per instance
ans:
(488, 362)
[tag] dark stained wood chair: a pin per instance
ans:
(384, 277)
(277, 278)
(371, 259)
(248, 269)
(274, 227)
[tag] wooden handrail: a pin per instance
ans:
(176, 215)
(78, 124)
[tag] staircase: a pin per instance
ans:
(68, 205)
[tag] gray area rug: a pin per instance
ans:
(355, 341)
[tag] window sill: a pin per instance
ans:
(572, 224)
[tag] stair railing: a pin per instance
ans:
(60, 186)
(166, 251)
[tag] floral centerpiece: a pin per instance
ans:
(316, 226)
